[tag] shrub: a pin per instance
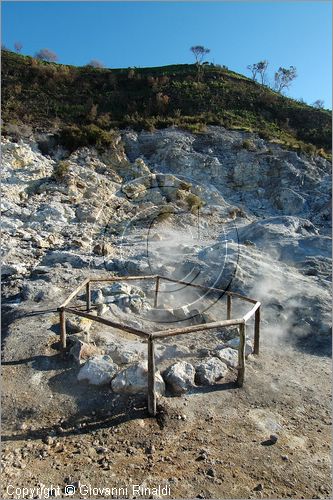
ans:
(194, 202)
(165, 214)
(249, 145)
(74, 137)
(263, 134)
(61, 170)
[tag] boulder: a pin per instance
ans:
(40, 290)
(171, 352)
(76, 324)
(81, 351)
(210, 371)
(98, 370)
(134, 380)
(228, 355)
(179, 377)
(130, 354)
(234, 344)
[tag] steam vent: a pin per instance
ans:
(147, 363)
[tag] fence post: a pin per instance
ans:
(88, 296)
(151, 378)
(156, 290)
(256, 331)
(62, 328)
(241, 355)
(229, 306)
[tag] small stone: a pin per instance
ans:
(285, 458)
(259, 487)
(48, 440)
(211, 472)
(273, 438)
(101, 449)
(150, 449)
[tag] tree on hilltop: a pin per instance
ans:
(18, 46)
(94, 63)
(46, 55)
(199, 53)
(284, 77)
(318, 104)
(259, 68)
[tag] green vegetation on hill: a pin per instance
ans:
(48, 96)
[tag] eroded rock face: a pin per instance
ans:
(136, 211)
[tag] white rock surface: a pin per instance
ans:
(134, 379)
(278, 200)
(99, 370)
(234, 344)
(210, 371)
(228, 355)
(179, 377)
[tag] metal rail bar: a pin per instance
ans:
(194, 328)
(124, 278)
(72, 295)
(151, 377)
(249, 314)
(119, 326)
(234, 294)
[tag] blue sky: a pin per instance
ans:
(124, 34)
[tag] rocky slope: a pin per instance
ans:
(221, 208)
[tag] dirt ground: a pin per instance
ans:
(211, 443)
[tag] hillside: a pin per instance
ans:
(48, 96)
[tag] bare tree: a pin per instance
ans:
(284, 77)
(46, 55)
(262, 68)
(319, 104)
(18, 46)
(254, 70)
(199, 53)
(259, 68)
(94, 63)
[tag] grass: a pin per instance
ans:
(83, 104)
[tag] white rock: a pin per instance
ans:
(210, 371)
(234, 344)
(228, 355)
(134, 379)
(40, 290)
(131, 354)
(171, 352)
(179, 377)
(99, 370)
(81, 351)
(75, 324)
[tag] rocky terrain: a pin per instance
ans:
(221, 208)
